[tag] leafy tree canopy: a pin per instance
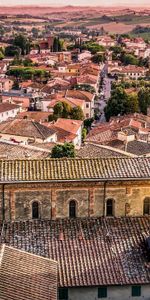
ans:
(23, 43)
(64, 110)
(121, 103)
(144, 99)
(66, 150)
(12, 51)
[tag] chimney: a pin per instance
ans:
(61, 236)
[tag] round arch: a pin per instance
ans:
(110, 207)
(146, 206)
(72, 208)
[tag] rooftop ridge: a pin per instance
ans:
(4, 246)
(36, 126)
(78, 158)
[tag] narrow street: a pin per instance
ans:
(105, 93)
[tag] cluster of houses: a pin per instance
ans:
(24, 113)
(127, 135)
(136, 46)
(73, 228)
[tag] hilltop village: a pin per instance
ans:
(74, 156)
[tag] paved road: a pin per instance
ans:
(106, 91)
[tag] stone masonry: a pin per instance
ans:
(90, 197)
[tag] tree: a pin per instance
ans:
(23, 43)
(66, 110)
(144, 62)
(1, 55)
(16, 61)
(58, 109)
(120, 103)
(12, 51)
(129, 59)
(144, 99)
(66, 150)
(93, 47)
(132, 103)
(2, 30)
(88, 123)
(28, 73)
(77, 113)
(27, 62)
(116, 52)
(57, 45)
(98, 58)
(15, 85)
(61, 110)
(84, 133)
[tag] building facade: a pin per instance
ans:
(52, 189)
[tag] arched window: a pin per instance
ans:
(109, 207)
(72, 209)
(35, 210)
(146, 209)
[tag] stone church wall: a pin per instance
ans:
(90, 198)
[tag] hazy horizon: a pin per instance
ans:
(77, 3)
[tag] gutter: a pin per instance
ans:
(77, 180)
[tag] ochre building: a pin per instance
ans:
(51, 189)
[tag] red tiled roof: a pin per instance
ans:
(89, 251)
(4, 107)
(78, 94)
(103, 133)
(10, 150)
(69, 125)
(87, 79)
(132, 69)
(72, 102)
(25, 127)
(26, 276)
(38, 116)
(63, 135)
(16, 99)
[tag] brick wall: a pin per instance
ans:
(90, 199)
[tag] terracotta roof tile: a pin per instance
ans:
(79, 95)
(38, 116)
(25, 127)
(4, 107)
(92, 150)
(69, 124)
(89, 251)
(62, 134)
(113, 168)
(10, 150)
(26, 276)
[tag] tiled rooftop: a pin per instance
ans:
(135, 147)
(10, 150)
(113, 168)
(90, 251)
(4, 107)
(26, 276)
(25, 127)
(91, 150)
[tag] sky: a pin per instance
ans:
(76, 2)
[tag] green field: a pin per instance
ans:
(132, 19)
